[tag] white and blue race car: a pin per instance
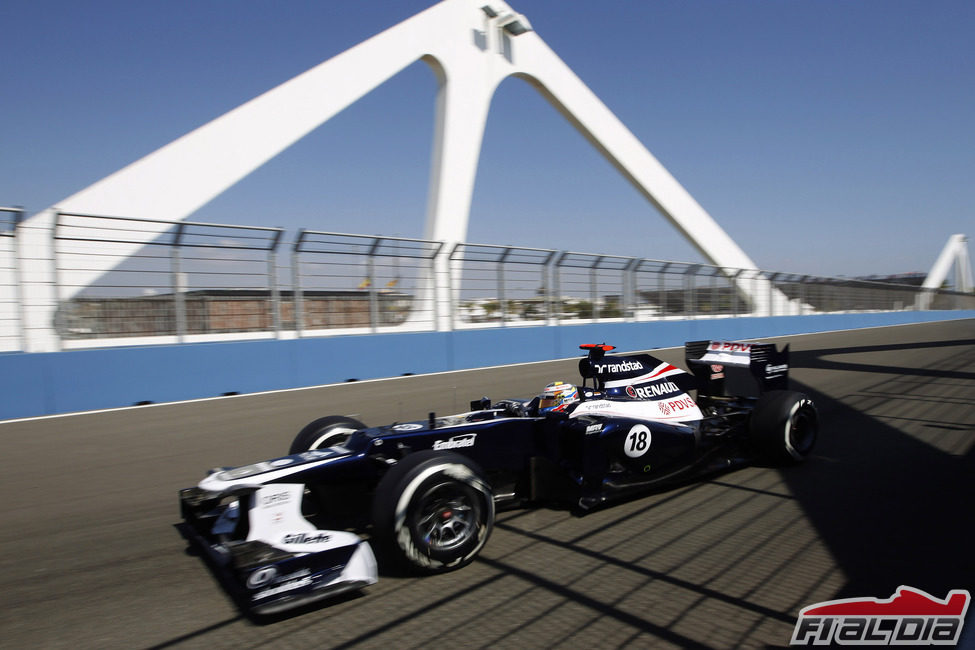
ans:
(422, 495)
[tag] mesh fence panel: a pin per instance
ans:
(344, 281)
(184, 279)
(190, 279)
(500, 284)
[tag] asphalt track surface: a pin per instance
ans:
(92, 558)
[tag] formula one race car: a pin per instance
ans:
(423, 494)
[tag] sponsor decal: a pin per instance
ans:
(727, 354)
(457, 442)
(666, 410)
(281, 462)
(276, 499)
(717, 367)
(261, 577)
(243, 472)
(659, 372)
(624, 366)
(653, 390)
(594, 428)
(283, 587)
(407, 427)
(637, 441)
(909, 617)
(315, 454)
(269, 575)
(775, 371)
(724, 346)
(681, 404)
(306, 538)
(301, 573)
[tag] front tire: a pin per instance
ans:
(433, 512)
(784, 426)
(325, 432)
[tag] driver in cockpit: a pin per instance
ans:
(558, 397)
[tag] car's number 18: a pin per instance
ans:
(637, 441)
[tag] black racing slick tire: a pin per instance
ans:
(325, 432)
(784, 426)
(433, 512)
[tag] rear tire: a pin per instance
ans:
(784, 426)
(433, 512)
(325, 432)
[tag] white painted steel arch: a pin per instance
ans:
(955, 253)
(471, 46)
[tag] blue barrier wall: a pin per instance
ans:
(82, 380)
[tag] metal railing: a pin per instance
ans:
(202, 281)
(192, 279)
(344, 281)
(500, 285)
(592, 287)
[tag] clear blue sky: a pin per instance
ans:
(828, 137)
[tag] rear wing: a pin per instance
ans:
(621, 371)
(735, 369)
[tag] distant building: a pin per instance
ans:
(216, 311)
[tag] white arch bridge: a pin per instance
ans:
(471, 45)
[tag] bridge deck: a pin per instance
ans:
(91, 557)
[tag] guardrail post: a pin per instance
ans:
(637, 264)
(802, 294)
(452, 300)
(662, 288)
(557, 287)
(690, 299)
(502, 297)
(371, 278)
(629, 291)
(594, 287)
(771, 294)
(735, 299)
(273, 281)
(18, 276)
(178, 282)
(55, 281)
(547, 286)
(297, 301)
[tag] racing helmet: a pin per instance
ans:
(557, 396)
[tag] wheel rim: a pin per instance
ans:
(802, 432)
(447, 517)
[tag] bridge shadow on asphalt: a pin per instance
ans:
(894, 475)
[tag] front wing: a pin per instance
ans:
(273, 558)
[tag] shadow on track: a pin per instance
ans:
(816, 359)
(892, 508)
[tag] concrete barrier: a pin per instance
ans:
(33, 384)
